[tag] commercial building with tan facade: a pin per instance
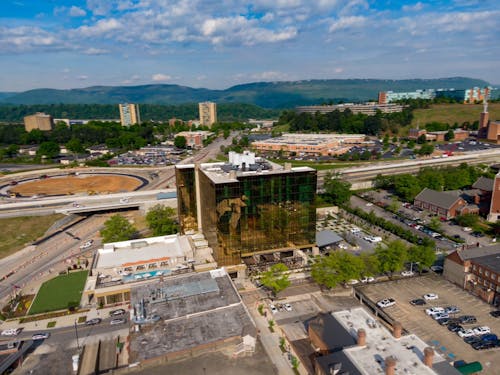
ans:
(40, 121)
(208, 113)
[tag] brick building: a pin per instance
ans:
(442, 203)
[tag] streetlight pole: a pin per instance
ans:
(76, 333)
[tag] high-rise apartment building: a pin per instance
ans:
(248, 206)
(39, 121)
(208, 113)
(129, 114)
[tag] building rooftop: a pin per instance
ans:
(484, 183)
(491, 261)
(195, 309)
(143, 251)
(437, 198)
(327, 237)
(477, 252)
(380, 344)
(311, 139)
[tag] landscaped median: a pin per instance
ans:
(59, 293)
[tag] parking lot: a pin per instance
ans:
(415, 320)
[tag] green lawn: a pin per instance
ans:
(17, 232)
(56, 293)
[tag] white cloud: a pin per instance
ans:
(82, 77)
(95, 51)
(160, 77)
(101, 27)
(26, 39)
(413, 8)
(75, 11)
(346, 23)
(132, 79)
(270, 76)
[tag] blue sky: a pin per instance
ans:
(220, 43)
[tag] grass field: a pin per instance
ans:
(56, 293)
(451, 113)
(19, 231)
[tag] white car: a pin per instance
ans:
(440, 316)
(11, 332)
(87, 244)
(353, 282)
(430, 296)
(40, 336)
(288, 307)
(273, 308)
(118, 321)
(481, 330)
(367, 279)
(355, 230)
(386, 302)
(124, 200)
(407, 273)
(434, 310)
(466, 333)
(467, 229)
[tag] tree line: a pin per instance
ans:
(407, 186)
(149, 112)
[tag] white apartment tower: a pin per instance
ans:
(208, 113)
(129, 114)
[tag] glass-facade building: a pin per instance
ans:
(242, 213)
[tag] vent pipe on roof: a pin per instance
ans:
(428, 356)
(361, 337)
(397, 330)
(390, 366)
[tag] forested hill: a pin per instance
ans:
(225, 112)
(264, 94)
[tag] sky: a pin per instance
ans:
(220, 43)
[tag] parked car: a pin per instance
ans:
(467, 229)
(386, 302)
(407, 273)
(418, 302)
(117, 312)
(467, 319)
(455, 327)
(353, 282)
(437, 269)
(434, 310)
(40, 336)
(451, 309)
(495, 314)
(287, 307)
(440, 316)
(93, 322)
(466, 333)
(430, 296)
(118, 321)
(367, 279)
(481, 330)
(273, 308)
(483, 345)
(11, 332)
(87, 244)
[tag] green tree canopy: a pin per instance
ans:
(467, 220)
(276, 278)
(161, 220)
(75, 145)
(180, 141)
(426, 149)
(392, 257)
(117, 228)
(424, 255)
(48, 149)
(337, 192)
(337, 267)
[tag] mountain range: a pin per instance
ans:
(285, 94)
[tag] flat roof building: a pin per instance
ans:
(40, 121)
(198, 311)
(247, 206)
(364, 108)
(310, 144)
(208, 113)
(129, 114)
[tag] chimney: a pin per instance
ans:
(361, 337)
(390, 366)
(397, 330)
(428, 356)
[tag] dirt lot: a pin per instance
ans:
(415, 320)
(77, 184)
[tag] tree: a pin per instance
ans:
(75, 146)
(426, 149)
(275, 278)
(48, 149)
(336, 191)
(421, 139)
(337, 267)
(425, 256)
(161, 220)
(117, 228)
(370, 264)
(434, 224)
(391, 258)
(467, 220)
(180, 141)
(450, 134)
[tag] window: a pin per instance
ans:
(480, 270)
(486, 273)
